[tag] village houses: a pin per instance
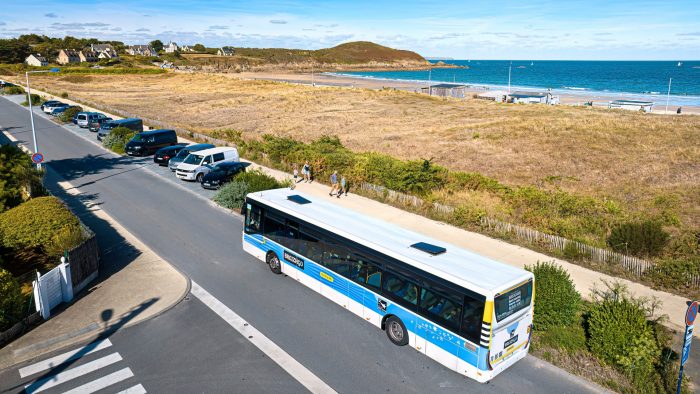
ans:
(36, 60)
(225, 51)
(67, 56)
(141, 50)
(171, 47)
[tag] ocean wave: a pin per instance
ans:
(574, 88)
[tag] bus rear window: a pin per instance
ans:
(513, 301)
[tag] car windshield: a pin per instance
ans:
(193, 159)
(82, 117)
(182, 154)
(513, 300)
(137, 138)
(220, 169)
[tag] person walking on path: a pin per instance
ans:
(296, 173)
(334, 183)
(306, 172)
(343, 188)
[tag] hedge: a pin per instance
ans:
(557, 301)
(17, 176)
(117, 138)
(35, 223)
(11, 300)
(67, 115)
(232, 195)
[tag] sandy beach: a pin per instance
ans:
(324, 79)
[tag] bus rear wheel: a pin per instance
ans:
(274, 263)
(396, 331)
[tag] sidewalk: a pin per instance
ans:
(674, 306)
(134, 285)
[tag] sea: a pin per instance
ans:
(633, 80)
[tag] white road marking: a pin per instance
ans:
(138, 389)
(105, 381)
(55, 380)
(62, 358)
(312, 382)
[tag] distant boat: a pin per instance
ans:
(680, 64)
(532, 63)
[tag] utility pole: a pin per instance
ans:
(31, 113)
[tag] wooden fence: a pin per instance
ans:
(635, 265)
(84, 261)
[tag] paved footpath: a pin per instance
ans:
(134, 284)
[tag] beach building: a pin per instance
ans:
(445, 90)
(533, 98)
(498, 96)
(631, 105)
(36, 60)
(66, 56)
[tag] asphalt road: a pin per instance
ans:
(204, 242)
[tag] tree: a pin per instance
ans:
(13, 51)
(199, 48)
(17, 176)
(157, 45)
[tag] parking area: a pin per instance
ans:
(146, 161)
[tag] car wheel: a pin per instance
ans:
(396, 331)
(199, 178)
(274, 263)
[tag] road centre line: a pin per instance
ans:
(307, 378)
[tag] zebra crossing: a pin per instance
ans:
(70, 372)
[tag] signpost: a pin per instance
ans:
(37, 158)
(690, 316)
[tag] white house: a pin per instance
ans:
(141, 50)
(186, 48)
(225, 51)
(104, 51)
(632, 105)
(171, 47)
(36, 60)
(533, 98)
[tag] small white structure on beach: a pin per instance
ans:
(631, 105)
(445, 90)
(498, 96)
(533, 98)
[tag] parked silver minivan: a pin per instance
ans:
(83, 119)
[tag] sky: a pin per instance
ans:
(506, 29)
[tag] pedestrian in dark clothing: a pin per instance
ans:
(342, 189)
(678, 111)
(306, 172)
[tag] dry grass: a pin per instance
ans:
(647, 162)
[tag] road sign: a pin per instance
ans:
(37, 158)
(690, 316)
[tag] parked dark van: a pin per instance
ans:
(95, 125)
(130, 123)
(148, 142)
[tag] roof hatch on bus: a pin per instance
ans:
(429, 248)
(298, 199)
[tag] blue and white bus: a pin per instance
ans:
(469, 313)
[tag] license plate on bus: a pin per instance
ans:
(510, 342)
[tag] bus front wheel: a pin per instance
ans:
(274, 263)
(396, 331)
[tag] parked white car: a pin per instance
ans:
(194, 167)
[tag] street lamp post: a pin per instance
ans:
(31, 113)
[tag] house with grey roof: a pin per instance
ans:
(225, 51)
(36, 60)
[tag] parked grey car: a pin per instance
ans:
(180, 157)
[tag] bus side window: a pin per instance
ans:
(291, 235)
(471, 320)
(366, 272)
(274, 228)
(400, 289)
(444, 310)
(253, 219)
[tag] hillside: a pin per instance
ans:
(357, 55)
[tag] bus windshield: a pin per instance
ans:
(513, 301)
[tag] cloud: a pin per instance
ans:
(695, 33)
(446, 36)
(327, 26)
(76, 25)
(116, 29)
(143, 29)
(278, 22)
(603, 34)
(2, 23)
(218, 27)
(51, 15)
(308, 29)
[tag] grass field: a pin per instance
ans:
(648, 164)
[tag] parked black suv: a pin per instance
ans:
(163, 155)
(144, 144)
(222, 173)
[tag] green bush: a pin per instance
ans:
(257, 180)
(67, 115)
(64, 95)
(13, 90)
(11, 300)
(673, 273)
(36, 100)
(34, 224)
(645, 238)
(117, 138)
(618, 329)
(571, 338)
(231, 195)
(557, 302)
(18, 176)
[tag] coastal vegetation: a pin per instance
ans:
(609, 179)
